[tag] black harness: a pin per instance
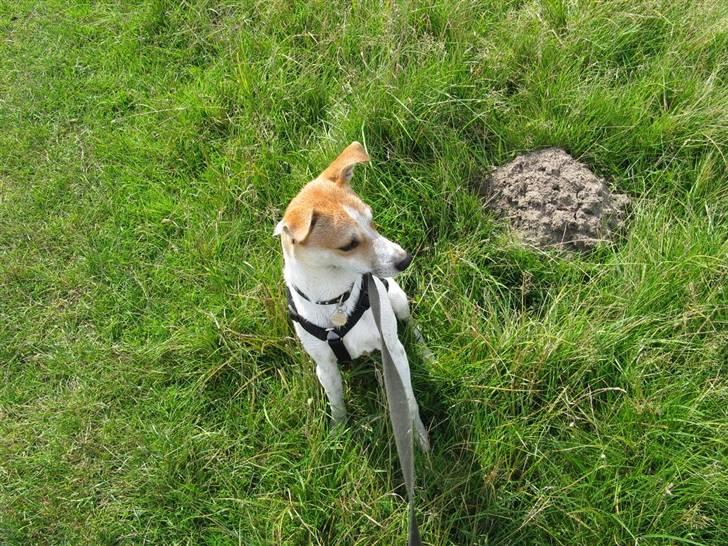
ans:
(334, 336)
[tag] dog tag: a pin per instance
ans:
(339, 318)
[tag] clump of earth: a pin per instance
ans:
(554, 201)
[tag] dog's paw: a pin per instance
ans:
(423, 439)
(338, 417)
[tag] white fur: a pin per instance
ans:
(278, 229)
(323, 283)
(388, 253)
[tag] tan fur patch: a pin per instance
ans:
(324, 203)
(318, 215)
(341, 168)
(297, 223)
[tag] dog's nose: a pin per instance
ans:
(404, 263)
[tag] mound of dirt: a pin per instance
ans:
(552, 200)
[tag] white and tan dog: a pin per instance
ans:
(329, 246)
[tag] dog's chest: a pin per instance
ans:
(364, 338)
(361, 340)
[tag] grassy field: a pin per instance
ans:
(151, 390)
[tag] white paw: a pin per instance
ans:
(338, 416)
(424, 441)
(422, 437)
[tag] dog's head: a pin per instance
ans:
(328, 225)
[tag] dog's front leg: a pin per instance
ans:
(400, 306)
(327, 370)
(398, 299)
(402, 365)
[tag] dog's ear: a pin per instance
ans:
(342, 168)
(278, 229)
(297, 224)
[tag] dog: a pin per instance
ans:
(330, 246)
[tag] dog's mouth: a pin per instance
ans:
(392, 270)
(384, 268)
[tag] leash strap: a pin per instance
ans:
(399, 413)
(336, 342)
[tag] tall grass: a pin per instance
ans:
(151, 390)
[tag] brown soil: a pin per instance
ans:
(552, 200)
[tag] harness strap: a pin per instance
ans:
(338, 299)
(335, 336)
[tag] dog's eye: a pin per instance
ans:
(351, 246)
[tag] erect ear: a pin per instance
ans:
(297, 223)
(278, 229)
(342, 168)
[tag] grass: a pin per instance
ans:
(151, 391)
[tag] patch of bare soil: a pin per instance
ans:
(553, 200)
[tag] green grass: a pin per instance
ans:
(151, 390)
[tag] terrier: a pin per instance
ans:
(330, 247)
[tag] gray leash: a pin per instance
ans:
(399, 414)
